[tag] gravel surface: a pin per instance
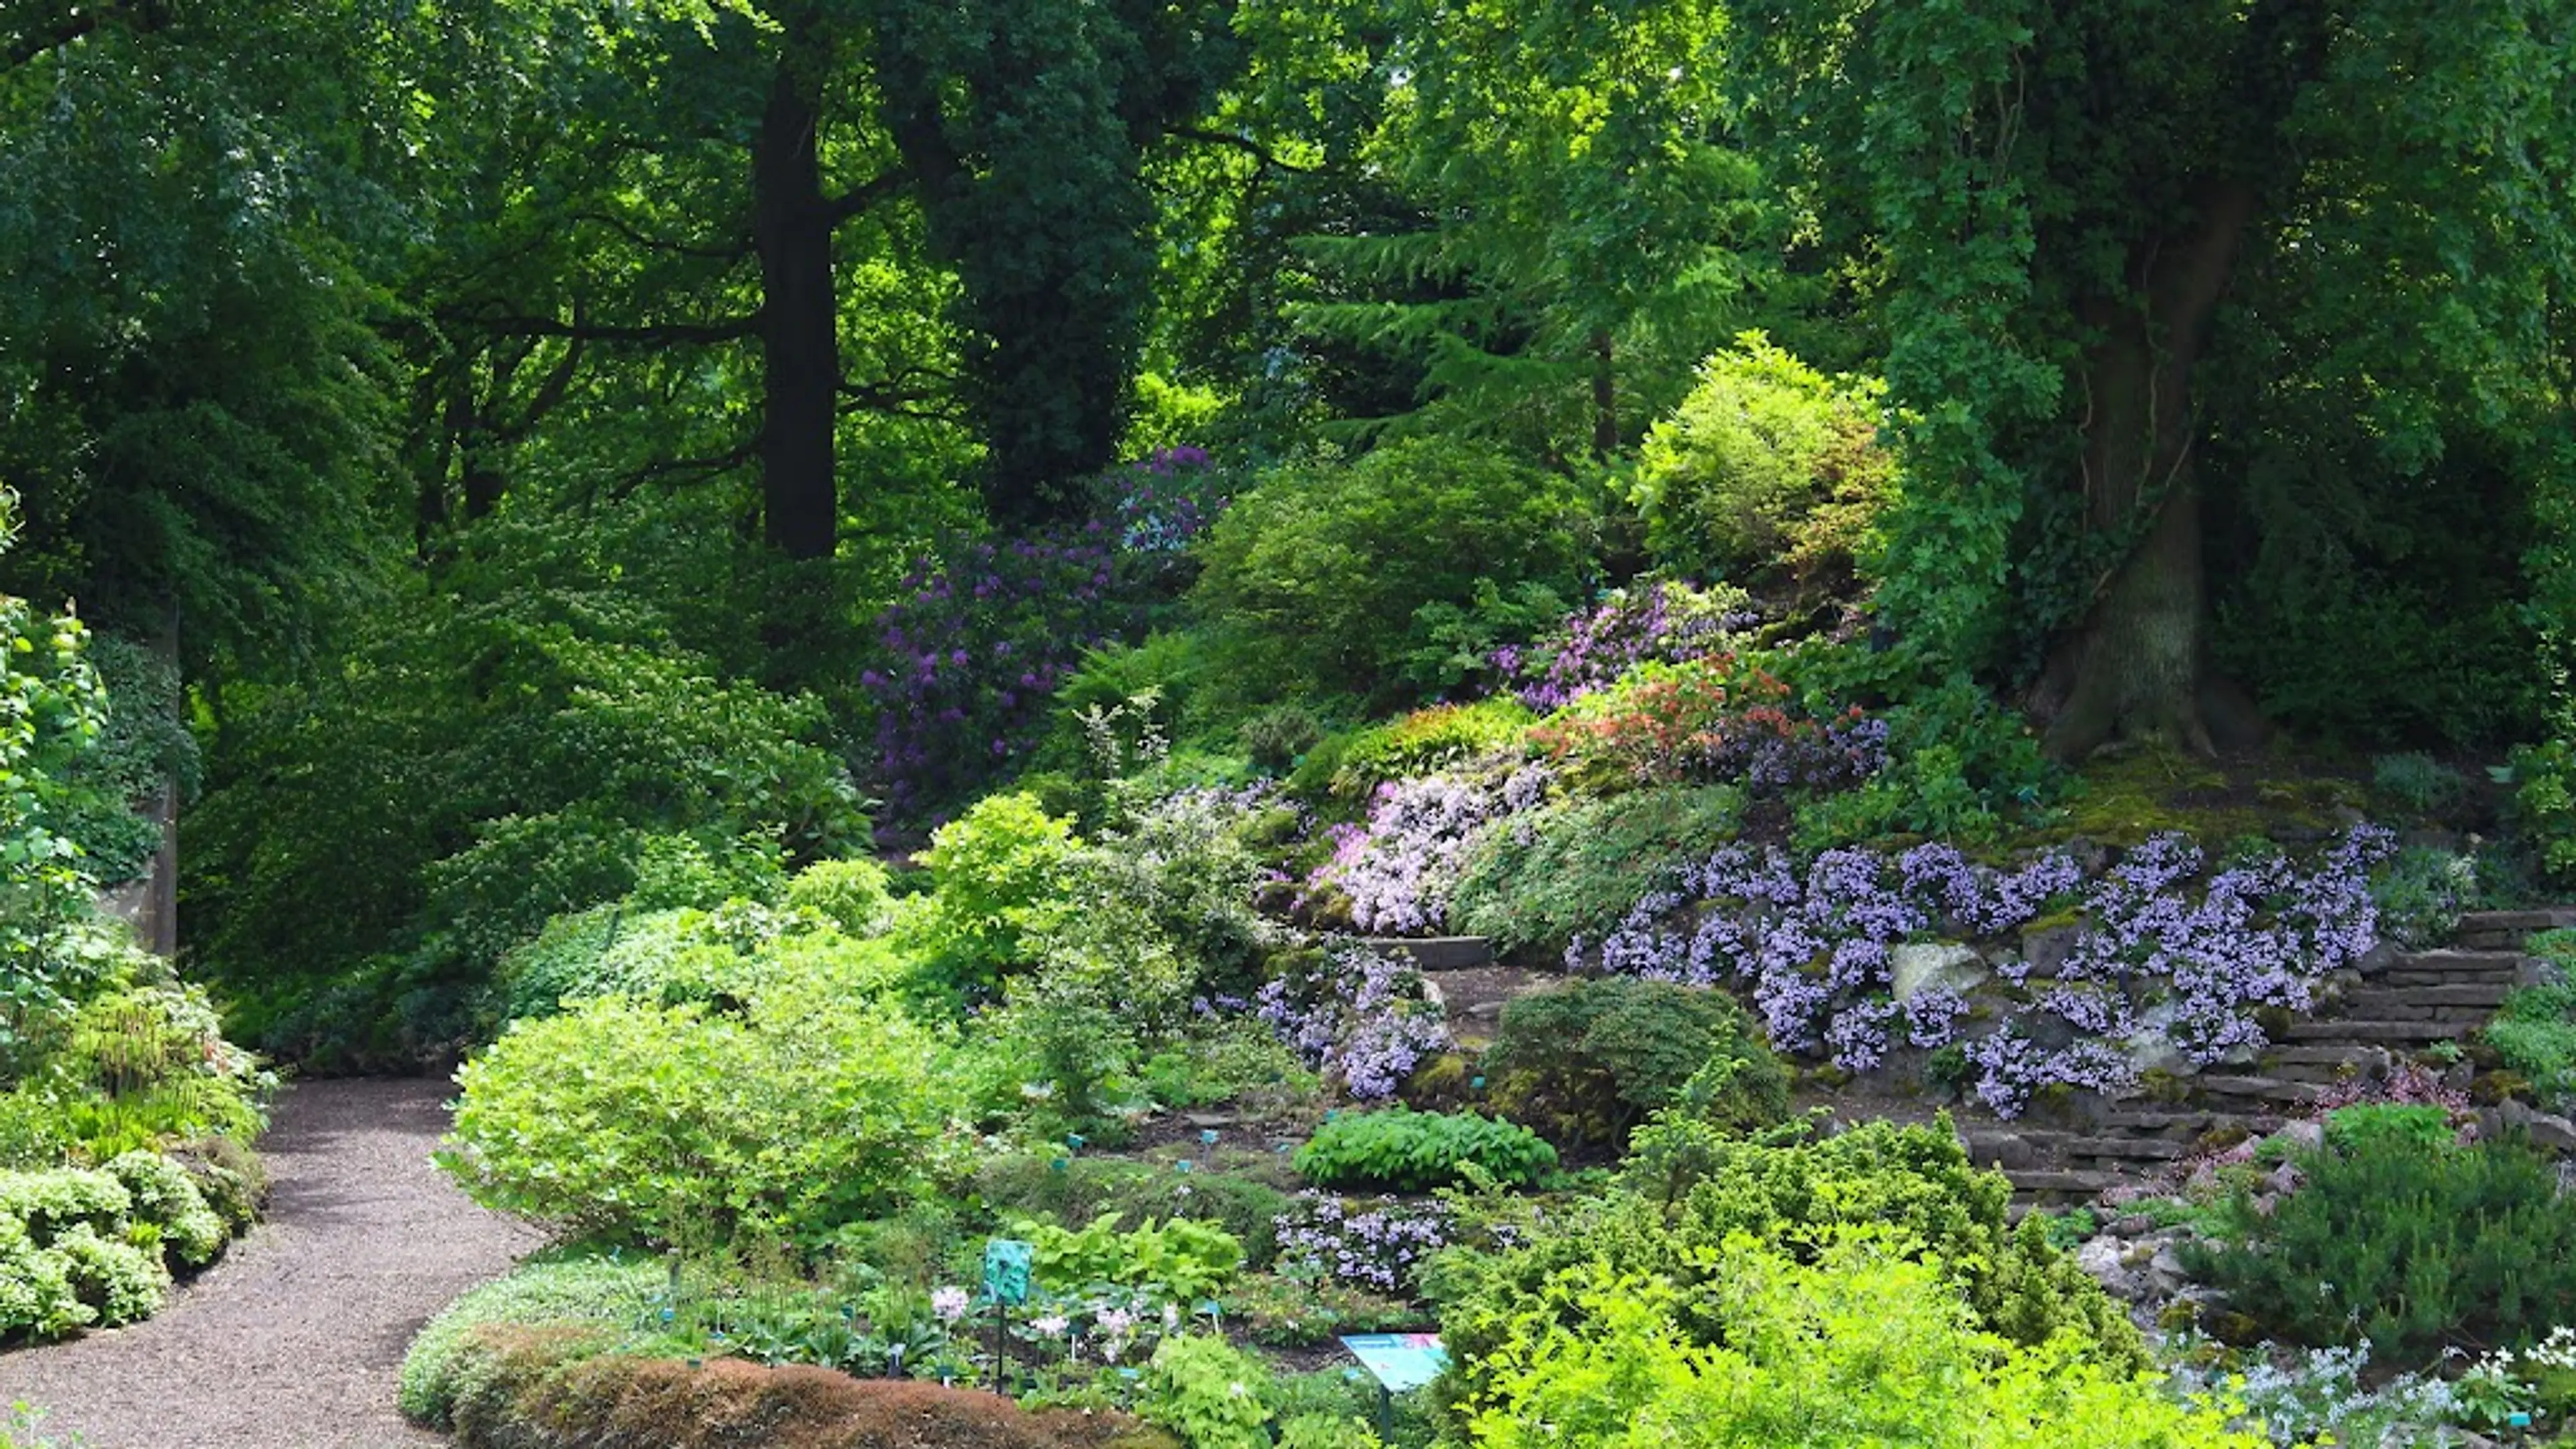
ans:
(293, 1340)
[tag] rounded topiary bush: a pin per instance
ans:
(1588, 1061)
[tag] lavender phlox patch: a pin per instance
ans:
(1361, 1018)
(1932, 1017)
(1378, 1247)
(1398, 870)
(1816, 951)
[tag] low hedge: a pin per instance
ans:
(554, 1388)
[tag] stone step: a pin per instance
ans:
(2489, 994)
(2192, 1121)
(2452, 963)
(1436, 953)
(2277, 1091)
(2067, 1182)
(2375, 1032)
(2511, 928)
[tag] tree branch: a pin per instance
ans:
(663, 334)
(838, 209)
(687, 470)
(734, 251)
(1267, 157)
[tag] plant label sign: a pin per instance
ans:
(1006, 1271)
(1398, 1361)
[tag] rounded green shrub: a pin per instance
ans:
(851, 894)
(166, 1197)
(1330, 576)
(1766, 459)
(1589, 1060)
(671, 1125)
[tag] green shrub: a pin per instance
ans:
(167, 1198)
(1208, 1391)
(1766, 460)
(2417, 784)
(122, 1281)
(497, 748)
(2414, 1246)
(1277, 736)
(577, 1287)
(1574, 868)
(1183, 1260)
(1427, 741)
(670, 1125)
(2420, 892)
(1913, 1183)
(1082, 1189)
(2534, 1033)
(1589, 1060)
(1407, 1151)
(1321, 575)
(999, 874)
(37, 1299)
(851, 894)
(2365, 1123)
(1861, 1346)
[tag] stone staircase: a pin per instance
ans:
(2368, 1021)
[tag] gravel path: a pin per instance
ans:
(293, 1340)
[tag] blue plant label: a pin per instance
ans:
(1400, 1361)
(1007, 1262)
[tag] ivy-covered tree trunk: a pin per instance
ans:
(2136, 667)
(801, 365)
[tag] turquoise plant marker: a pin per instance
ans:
(1058, 1164)
(1007, 1262)
(1074, 1140)
(1207, 1137)
(1181, 1166)
(1475, 1084)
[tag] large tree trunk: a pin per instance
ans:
(801, 362)
(2135, 670)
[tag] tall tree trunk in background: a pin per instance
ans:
(2136, 669)
(1605, 397)
(801, 366)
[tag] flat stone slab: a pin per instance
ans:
(2373, 1031)
(1436, 953)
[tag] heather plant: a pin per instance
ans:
(2412, 1244)
(1442, 737)
(1591, 1059)
(1325, 574)
(1572, 867)
(1592, 649)
(1714, 718)
(1401, 1150)
(2417, 783)
(1358, 1015)
(2164, 943)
